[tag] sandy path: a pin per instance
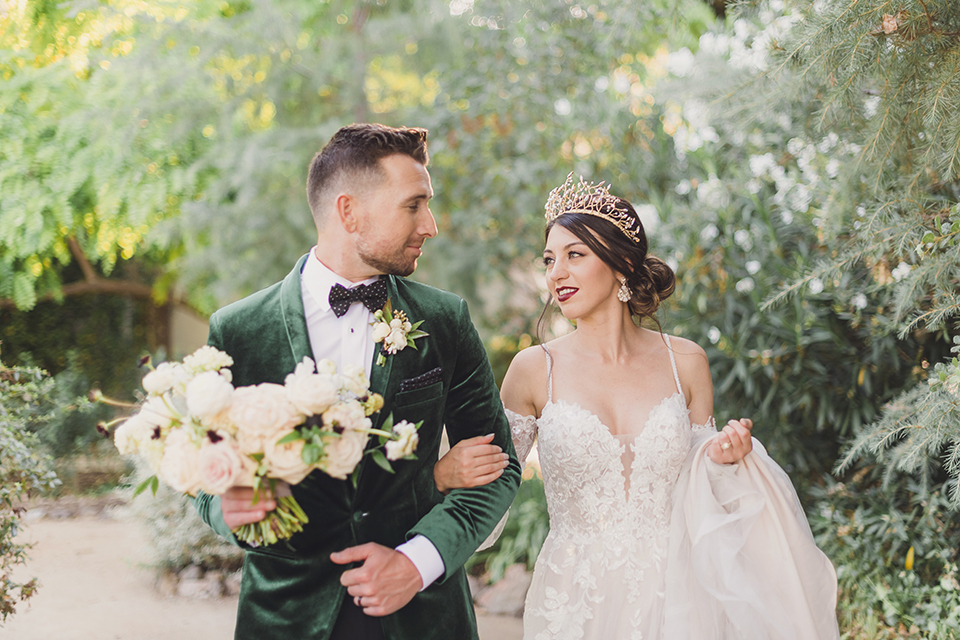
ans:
(91, 588)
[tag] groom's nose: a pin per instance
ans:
(427, 226)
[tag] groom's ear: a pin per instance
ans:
(346, 211)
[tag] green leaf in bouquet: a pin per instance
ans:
(387, 422)
(293, 436)
(415, 326)
(381, 460)
(151, 482)
(413, 335)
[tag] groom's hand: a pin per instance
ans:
(238, 508)
(386, 581)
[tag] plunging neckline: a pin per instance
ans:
(606, 429)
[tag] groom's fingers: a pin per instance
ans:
(352, 554)
(386, 581)
(238, 507)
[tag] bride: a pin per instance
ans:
(660, 526)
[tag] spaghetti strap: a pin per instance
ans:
(549, 373)
(673, 363)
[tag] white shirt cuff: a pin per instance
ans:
(425, 558)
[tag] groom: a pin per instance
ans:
(384, 560)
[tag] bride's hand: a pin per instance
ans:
(732, 443)
(473, 462)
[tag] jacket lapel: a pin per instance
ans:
(380, 375)
(291, 310)
(379, 383)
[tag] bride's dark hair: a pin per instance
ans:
(648, 277)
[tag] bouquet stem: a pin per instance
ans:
(280, 524)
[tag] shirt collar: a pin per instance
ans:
(318, 279)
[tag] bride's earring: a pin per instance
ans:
(624, 294)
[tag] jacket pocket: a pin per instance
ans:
(416, 396)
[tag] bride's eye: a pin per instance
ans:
(547, 261)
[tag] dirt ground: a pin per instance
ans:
(92, 587)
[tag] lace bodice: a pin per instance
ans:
(605, 520)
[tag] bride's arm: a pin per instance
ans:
(473, 464)
(694, 371)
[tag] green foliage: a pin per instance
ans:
(870, 536)
(882, 77)
(24, 406)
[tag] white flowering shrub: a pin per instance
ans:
(176, 535)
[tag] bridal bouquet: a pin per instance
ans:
(199, 432)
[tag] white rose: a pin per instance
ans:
(407, 327)
(327, 367)
(220, 465)
(354, 380)
(179, 467)
(348, 415)
(311, 393)
(343, 454)
(396, 324)
(160, 380)
(286, 462)
(380, 331)
(260, 414)
(206, 358)
(396, 341)
(406, 443)
(130, 435)
(208, 394)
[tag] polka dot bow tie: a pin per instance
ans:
(373, 296)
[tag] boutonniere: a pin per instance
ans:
(395, 331)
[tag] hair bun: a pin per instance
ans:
(661, 275)
(655, 282)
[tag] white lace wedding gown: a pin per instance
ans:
(649, 539)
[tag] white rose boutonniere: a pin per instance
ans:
(395, 331)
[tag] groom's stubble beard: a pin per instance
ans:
(397, 264)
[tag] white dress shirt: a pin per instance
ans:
(349, 340)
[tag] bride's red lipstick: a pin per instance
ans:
(565, 293)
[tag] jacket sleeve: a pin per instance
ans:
(208, 506)
(465, 518)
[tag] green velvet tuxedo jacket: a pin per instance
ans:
(296, 595)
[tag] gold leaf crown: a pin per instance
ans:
(592, 200)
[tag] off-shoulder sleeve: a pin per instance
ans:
(523, 432)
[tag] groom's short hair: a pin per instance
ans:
(350, 161)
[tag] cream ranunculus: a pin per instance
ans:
(327, 367)
(161, 379)
(286, 462)
(406, 442)
(348, 414)
(130, 435)
(206, 358)
(220, 464)
(262, 414)
(311, 393)
(179, 465)
(354, 380)
(343, 454)
(208, 394)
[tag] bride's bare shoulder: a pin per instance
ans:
(524, 389)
